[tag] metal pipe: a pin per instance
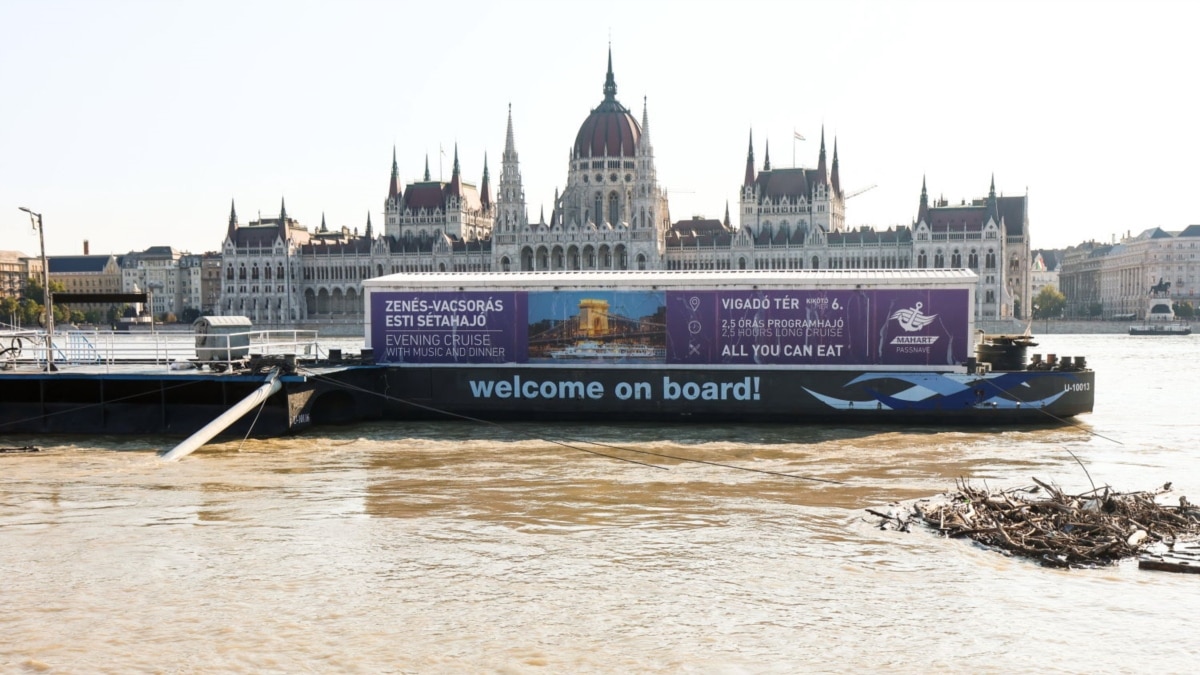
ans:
(227, 418)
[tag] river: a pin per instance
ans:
(453, 547)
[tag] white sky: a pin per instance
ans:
(134, 124)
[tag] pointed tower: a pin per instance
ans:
(232, 221)
(822, 174)
(455, 187)
(283, 220)
(511, 195)
(993, 204)
(727, 224)
(923, 209)
(834, 180)
(644, 141)
(749, 179)
(767, 156)
(485, 188)
(323, 227)
(370, 233)
(426, 167)
(394, 183)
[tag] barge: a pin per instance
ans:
(814, 346)
(170, 383)
(831, 346)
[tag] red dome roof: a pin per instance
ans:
(610, 131)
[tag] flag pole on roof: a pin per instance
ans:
(795, 137)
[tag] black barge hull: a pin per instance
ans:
(176, 404)
(731, 395)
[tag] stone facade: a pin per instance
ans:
(612, 214)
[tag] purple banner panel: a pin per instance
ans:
(447, 327)
(807, 327)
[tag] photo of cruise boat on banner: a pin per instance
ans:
(609, 326)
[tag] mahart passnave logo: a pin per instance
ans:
(912, 319)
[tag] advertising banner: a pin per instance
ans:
(439, 327)
(701, 327)
(845, 327)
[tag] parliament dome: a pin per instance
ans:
(610, 130)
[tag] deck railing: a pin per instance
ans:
(173, 349)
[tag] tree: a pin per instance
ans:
(189, 315)
(9, 309)
(36, 295)
(1185, 309)
(1048, 303)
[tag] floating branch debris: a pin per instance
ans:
(1057, 529)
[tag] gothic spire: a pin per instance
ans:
(510, 147)
(394, 184)
(767, 155)
(283, 224)
(427, 167)
(923, 211)
(727, 225)
(485, 191)
(455, 187)
(610, 83)
(323, 227)
(645, 139)
(370, 236)
(749, 179)
(232, 219)
(822, 174)
(993, 205)
(833, 176)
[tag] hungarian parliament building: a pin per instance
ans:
(612, 214)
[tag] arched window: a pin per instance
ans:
(922, 260)
(956, 259)
(990, 260)
(973, 259)
(599, 212)
(614, 215)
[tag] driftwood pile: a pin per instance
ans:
(1056, 529)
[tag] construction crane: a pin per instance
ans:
(859, 192)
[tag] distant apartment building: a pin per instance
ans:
(87, 274)
(14, 273)
(1116, 278)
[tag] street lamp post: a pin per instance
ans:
(36, 219)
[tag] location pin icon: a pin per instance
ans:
(694, 303)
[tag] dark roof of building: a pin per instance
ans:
(775, 184)
(1191, 231)
(972, 217)
(699, 232)
(868, 235)
(79, 264)
(610, 130)
(263, 233)
(431, 196)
